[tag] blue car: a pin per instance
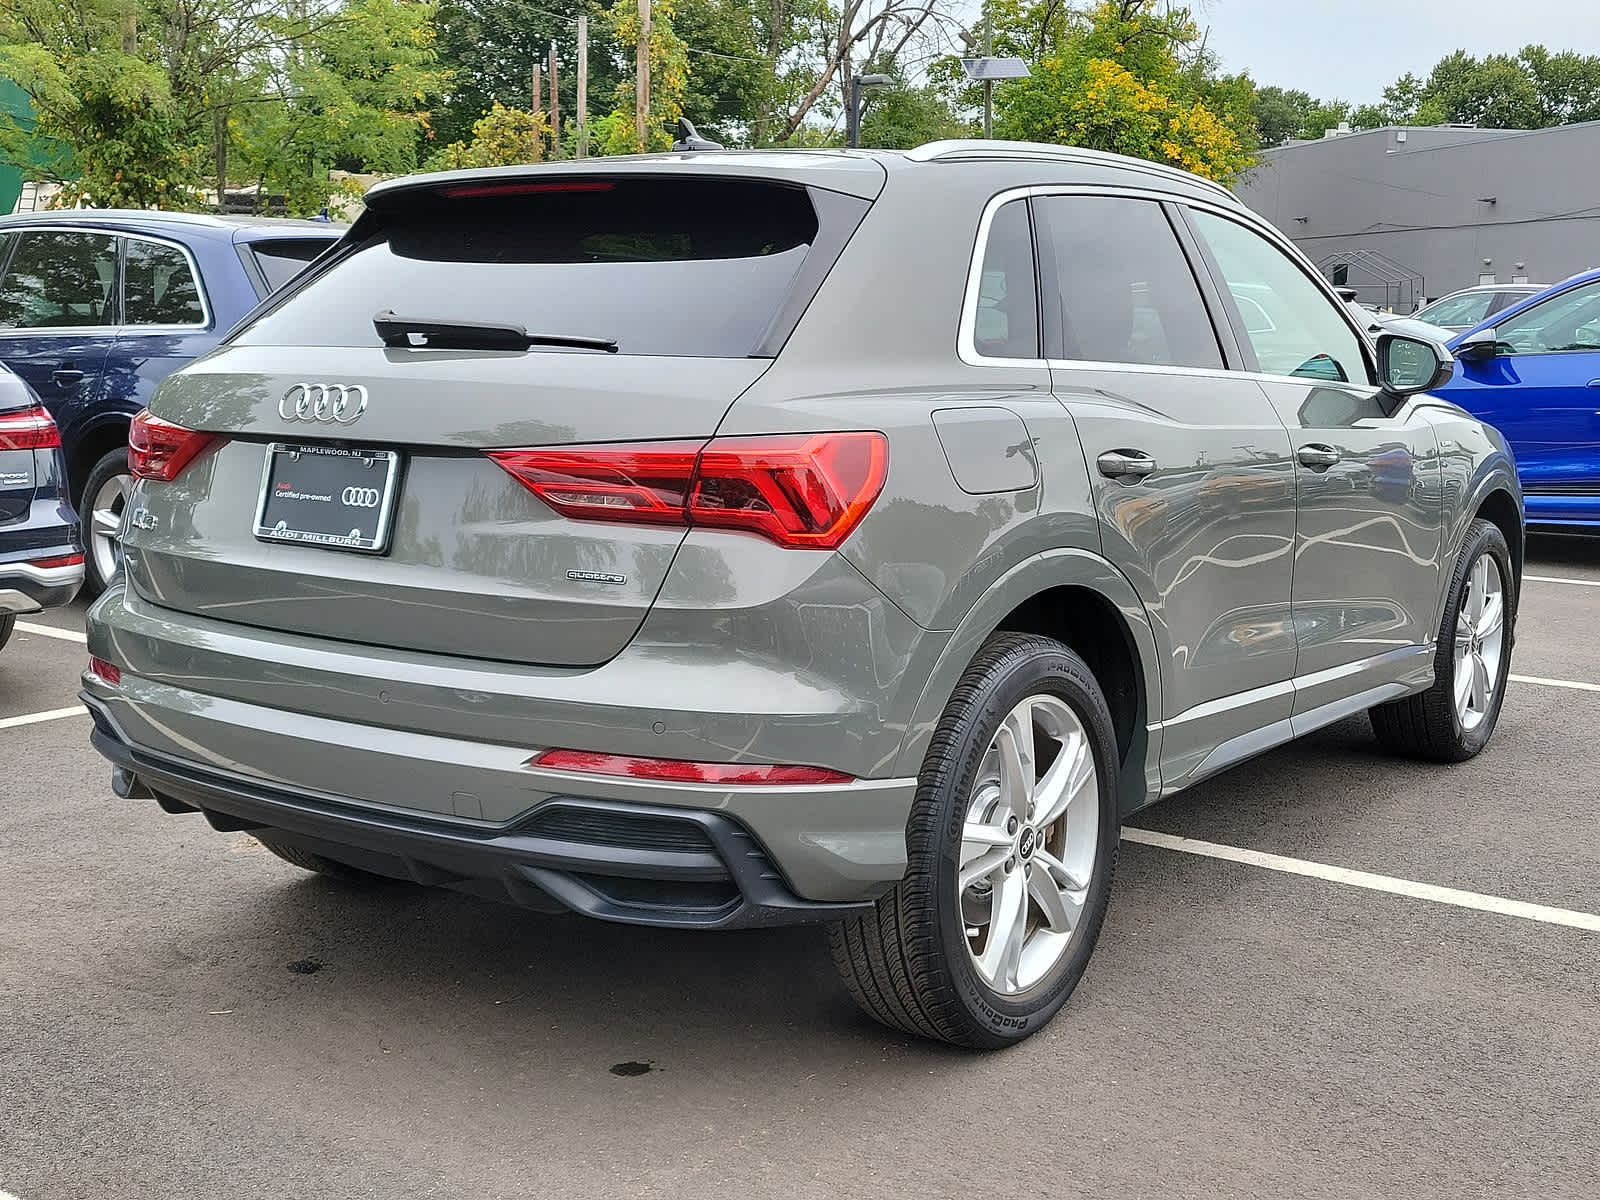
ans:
(1533, 371)
(97, 307)
(41, 562)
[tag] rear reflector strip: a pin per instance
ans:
(674, 770)
(60, 560)
(103, 670)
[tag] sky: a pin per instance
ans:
(1353, 49)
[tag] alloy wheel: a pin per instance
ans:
(1480, 642)
(1028, 844)
(105, 524)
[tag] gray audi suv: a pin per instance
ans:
(722, 539)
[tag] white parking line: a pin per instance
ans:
(1562, 579)
(1574, 684)
(1365, 879)
(50, 631)
(54, 714)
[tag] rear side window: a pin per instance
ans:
(281, 261)
(1117, 287)
(159, 287)
(661, 266)
(1006, 322)
(1564, 324)
(60, 279)
(1308, 338)
(1466, 309)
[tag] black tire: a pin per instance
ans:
(1427, 725)
(113, 462)
(309, 861)
(907, 963)
(7, 624)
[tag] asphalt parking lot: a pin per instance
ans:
(1244, 1030)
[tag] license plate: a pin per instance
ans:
(332, 496)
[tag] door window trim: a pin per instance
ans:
(1223, 317)
(120, 326)
(122, 287)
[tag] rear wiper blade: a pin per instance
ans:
(434, 334)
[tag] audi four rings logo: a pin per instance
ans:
(324, 403)
(360, 497)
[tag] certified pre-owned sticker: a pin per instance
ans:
(596, 577)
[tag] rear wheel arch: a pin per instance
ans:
(107, 435)
(1081, 600)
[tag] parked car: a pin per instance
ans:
(1533, 372)
(1375, 321)
(1464, 309)
(97, 307)
(717, 540)
(41, 561)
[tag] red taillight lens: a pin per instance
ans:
(803, 490)
(677, 771)
(160, 450)
(28, 429)
(101, 669)
(603, 483)
(60, 560)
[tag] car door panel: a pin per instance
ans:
(1366, 562)
(1368, 535)
(1205, 538)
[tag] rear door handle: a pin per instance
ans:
(1125, 465)
(1594, 383)
(67, 376)
(1318, 456)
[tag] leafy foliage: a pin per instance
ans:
(502, 137)
(1114, 80)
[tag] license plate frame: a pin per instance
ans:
(357, 541)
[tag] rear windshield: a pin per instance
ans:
(660, 266)
(281, 260)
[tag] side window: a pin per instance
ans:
(1007, 321)
(1467, 309)
(1309, 338)
(159, 287)
(1563, 324)
(60, 279)
(1117, 287)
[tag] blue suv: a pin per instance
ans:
(97, 307)
(1533, 371)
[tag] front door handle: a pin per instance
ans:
(1318, 456)
(1127, 466)
(1594, 383)
(67, 376)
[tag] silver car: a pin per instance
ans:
(726, 539)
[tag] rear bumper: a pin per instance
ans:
(619, 861)
(25, 588)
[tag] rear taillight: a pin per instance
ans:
(28, 429)
(798, 490)
(160, 450)
(676, 770)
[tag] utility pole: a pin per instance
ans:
(555, 104)
(538, 88)
(583, 87)
(988, 84)
(641, 94)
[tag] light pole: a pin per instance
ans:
(853, 117)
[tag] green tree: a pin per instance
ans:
(502, 137)
(904, 116)
(1566, 83)
(1115, 79)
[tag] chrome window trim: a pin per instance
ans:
(122, 237)
(966, 341)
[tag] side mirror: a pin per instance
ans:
(1481, 346)
(1347, 294)
(1408, 365)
